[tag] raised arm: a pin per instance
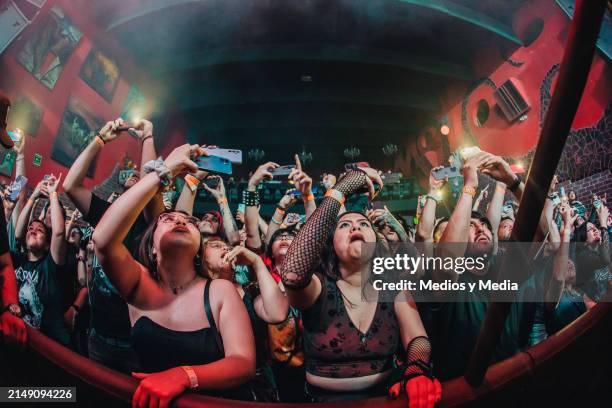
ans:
(305, 251)
(458, 228)
(127, 275)
(484, 193)
(282, 207)
(271, 305)
(229, 224)
(424, 232)
(144, 130)
(58, 239)
(24, 216)
(494, 212)
(303, 183)
(73, 184)
(559, 275)
(500, 170)
(250, 199)
(188, 195)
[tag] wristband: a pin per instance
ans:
(250, 198)
(53, 194)
(75, 307)
(280, 210)
(222, 201)
(193, 378)
(275, 221)
(500, 189)
(517, 182)
(469, 190)
(192, 182)
(433, 198)
(308, 198)
(30, 201)
(99, 140)
(145, 138)
(336, 195)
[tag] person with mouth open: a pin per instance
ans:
(349, 344)
(457, 316)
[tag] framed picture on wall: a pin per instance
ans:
(25, 115)
(78, 127)
(48, 49)
(101, 73)
(7, 161)
(12, 22)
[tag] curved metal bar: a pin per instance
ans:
(455, 392)
(570, 85)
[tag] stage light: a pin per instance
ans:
(445, 130)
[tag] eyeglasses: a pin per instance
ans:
(218, 245)
(169, 218)
(284, 237)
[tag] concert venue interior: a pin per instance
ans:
(516, 93)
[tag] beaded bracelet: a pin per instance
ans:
(250, 198)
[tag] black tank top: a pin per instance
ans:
(159, 348)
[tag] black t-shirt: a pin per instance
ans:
(98, 207)
(458, 324)
(40, 296)
(109, 312)
(4, 244)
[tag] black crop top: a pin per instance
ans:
(159, 348)
(334, 347)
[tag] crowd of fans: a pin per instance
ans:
(271, 310)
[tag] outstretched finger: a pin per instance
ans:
(298, 163)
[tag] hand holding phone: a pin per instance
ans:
(444, 172)
(282, 170)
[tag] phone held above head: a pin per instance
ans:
(214, 164)
(282, 170)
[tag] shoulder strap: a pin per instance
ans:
(211, 318)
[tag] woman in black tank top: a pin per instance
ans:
(174, 310)
(351, 357)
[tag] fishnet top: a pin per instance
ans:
(305, 251)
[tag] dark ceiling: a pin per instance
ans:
(319, 75)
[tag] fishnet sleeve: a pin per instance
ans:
(418, 356)
(305, 250)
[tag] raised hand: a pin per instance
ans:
(109, 131)
(53, 183)
(241, 256)
(568, 215)
(219, 191)
(602, 215)
(262, 172)
(40, 190)
(288, 200)
(434, 183)
(470, 169)
(143, 128)
(180, 159)
(497, 168)
(301, 180)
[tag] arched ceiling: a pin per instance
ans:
(316, 74)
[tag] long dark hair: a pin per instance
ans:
(149, 260)
(329, 264)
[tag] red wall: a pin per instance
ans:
(16, 81)
(497, 135)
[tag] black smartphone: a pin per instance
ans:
(214, 164)
(127, 129)
(450, 172)
(282, 170)
(212, 182)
